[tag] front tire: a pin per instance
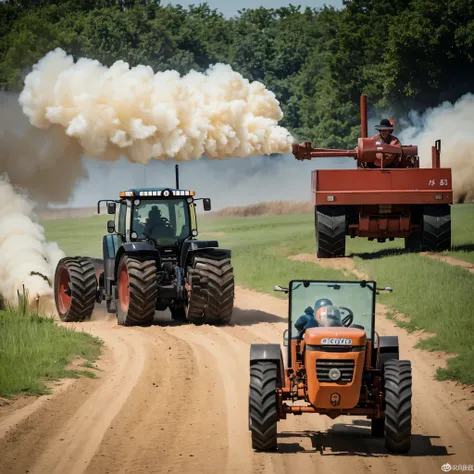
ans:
(398, 407)
(436, 236)
(137, 291)
(331, 223)
(75, 288)
(211, 295)
(263, 407)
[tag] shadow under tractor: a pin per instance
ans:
(388, 196)
(337, 364)
(151, 261)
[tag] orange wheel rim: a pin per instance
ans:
(63, 298)
(124, 288)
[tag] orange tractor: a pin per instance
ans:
(337, 364)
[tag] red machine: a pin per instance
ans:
(387, 197)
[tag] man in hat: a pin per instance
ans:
(385, 137)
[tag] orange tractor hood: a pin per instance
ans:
(335, 336)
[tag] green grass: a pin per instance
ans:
(35, 351)
(78, 236)
(435, 296)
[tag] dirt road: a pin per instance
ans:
(173, 399)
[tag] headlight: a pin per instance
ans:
(334, 374)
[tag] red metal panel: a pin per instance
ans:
(364, 222)
(386, 186)
(383, 197)
(383, 227)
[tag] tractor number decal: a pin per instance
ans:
(335, 399)
(442, 182)
(336, 340)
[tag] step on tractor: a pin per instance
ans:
(151, 261)
(336, 365)
(388, 196)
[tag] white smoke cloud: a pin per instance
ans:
(26, 258)
(142, 115)
(452, 124)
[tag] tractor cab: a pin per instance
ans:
(164, 216)
(328, 316)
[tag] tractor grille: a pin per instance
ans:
(323, 366)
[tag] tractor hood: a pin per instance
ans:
(335, 336)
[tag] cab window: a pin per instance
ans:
(122, 218)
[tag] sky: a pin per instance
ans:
(229, 8)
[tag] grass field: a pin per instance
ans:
(434, 295)
(35, 351)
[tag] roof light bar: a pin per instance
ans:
(165, 193)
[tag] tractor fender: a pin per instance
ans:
(192, 246)
(137, 249)
(109, 250)
(389, 349)
(269, 352)
(388, 343)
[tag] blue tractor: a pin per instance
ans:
(151, 261)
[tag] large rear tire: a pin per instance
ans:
(398, 394)
(137, 291)
(211, 291)
(331, 224)
(75, 288)
(436, 234)
(263, 407)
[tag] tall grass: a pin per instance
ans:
(35, 351)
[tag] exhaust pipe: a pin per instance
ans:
(363, 116)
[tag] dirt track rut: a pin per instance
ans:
(174, 399)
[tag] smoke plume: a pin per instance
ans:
(452, 124)
(142, 115)
(25, 256)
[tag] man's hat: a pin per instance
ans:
(309, 310)
(384, 125)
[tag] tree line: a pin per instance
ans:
(404, 54)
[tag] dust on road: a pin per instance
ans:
(173, 398)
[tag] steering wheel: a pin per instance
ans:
(349, 319)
